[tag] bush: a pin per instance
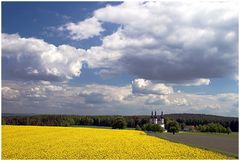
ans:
(157, 128)
(172, 126)
(182, 125)
(152, 127)
(3, 121)
(68, 122)
(138, 127)
(119, 123)
(213, 127)
(228, 130)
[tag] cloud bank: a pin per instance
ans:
(170, 41)
(160, 44)
(39, 97)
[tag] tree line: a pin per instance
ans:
(213, 127)
(131, 121)
(202, 119)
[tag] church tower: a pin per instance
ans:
(162, 120)
(155, 118)
(152, 118)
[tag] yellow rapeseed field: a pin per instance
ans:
(35, 142)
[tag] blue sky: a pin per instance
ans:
(34, 14)
(130, 58)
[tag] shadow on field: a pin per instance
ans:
(227, 144)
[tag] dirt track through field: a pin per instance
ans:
(222, 144)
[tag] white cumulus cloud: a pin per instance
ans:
(84, 29)
(35, 59)
(9, 93)
(173, 42)
(142, 86)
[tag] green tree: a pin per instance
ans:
(173, 126)
(228, 130)
(3, 121)
(138, 127)
(68, 121)
(212, 127)
(182, 125)
(119, 123)
(156, 128)
(152, 127)
(167, 120)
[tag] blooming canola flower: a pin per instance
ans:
(41, 142)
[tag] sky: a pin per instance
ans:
(120, 58)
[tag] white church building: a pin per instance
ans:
(157, 119)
